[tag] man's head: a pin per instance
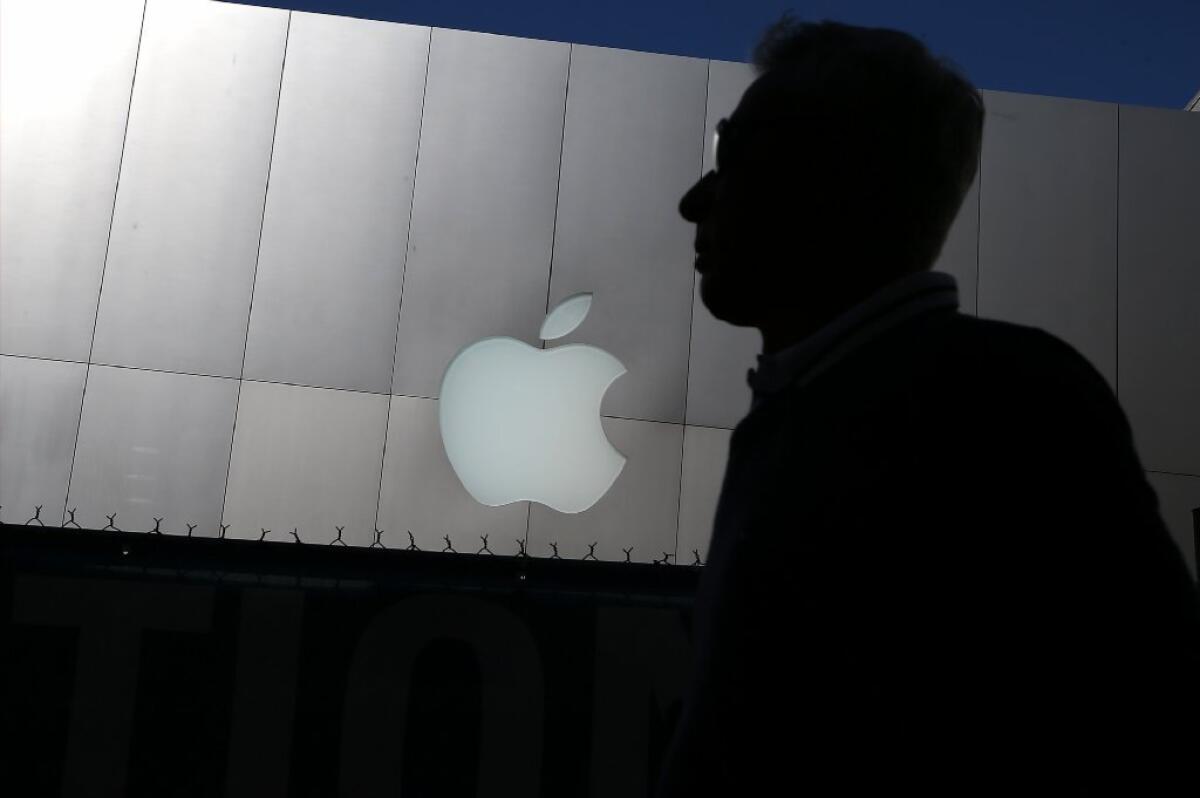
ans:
(840, 170)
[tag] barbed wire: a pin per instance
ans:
(666, 558)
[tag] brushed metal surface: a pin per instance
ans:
(66, 70)
(1159, 286)
(705, 453)
(483, 214)
(1048, 222)
(306, 459)
(153, 445)
(176, 290)
(39, 418)
(336, 222)
(633, 144)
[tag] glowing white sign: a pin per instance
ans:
(521, 423)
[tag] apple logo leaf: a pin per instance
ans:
(566, 316)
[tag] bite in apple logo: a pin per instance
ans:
(521, 423)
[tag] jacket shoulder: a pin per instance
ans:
(1024, 382)
(1009, 341)
(1018, 358)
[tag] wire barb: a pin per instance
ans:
(37, 517)
(338, 539)
(112, 524)
(72, 521)
(485, 546)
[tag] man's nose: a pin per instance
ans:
(695, 203)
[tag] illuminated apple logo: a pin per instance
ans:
(521, 423)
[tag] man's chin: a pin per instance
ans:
(723, 300)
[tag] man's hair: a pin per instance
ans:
(900, 144)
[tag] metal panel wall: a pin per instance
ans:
(1159, 286)
(152, 445)
(336, 221)
(177, 283)
(640, 510)
(499, 234)
(421, 493)
(66, 70)
(1048, 226)
(306, 459)
(483, 214)
(39, 416)
(632, 145)
(705, 453)
(720, 354)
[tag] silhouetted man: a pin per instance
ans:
(937, 565)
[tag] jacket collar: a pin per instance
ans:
(888, 307)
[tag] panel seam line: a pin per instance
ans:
(412, 201)
(237, 406)
(104, 266)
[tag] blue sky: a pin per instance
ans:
(1143, 53)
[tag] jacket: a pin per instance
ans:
(938, 565)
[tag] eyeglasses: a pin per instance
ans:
(727, 132)
(721, 129)
(725, 135)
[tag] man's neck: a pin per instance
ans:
(791, 325)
